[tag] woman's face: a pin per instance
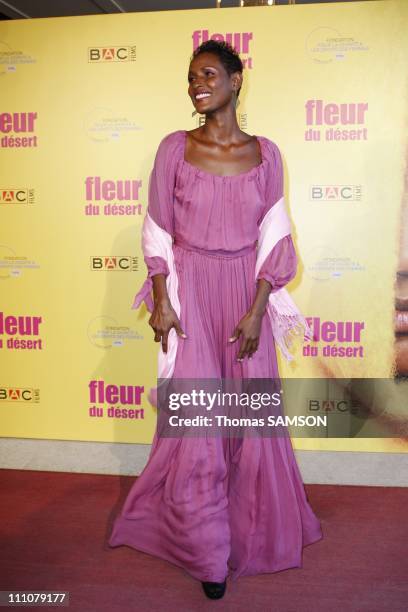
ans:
(210, 86)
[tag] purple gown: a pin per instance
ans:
(211, 505)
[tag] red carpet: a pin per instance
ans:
(54, 530)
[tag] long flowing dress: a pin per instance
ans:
(218, 506)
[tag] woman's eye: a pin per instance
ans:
(190, 79)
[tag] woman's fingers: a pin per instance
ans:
(236, 334)
(162, 335)
(179, 332)
(164, 341)
(253, 348)
(247, 349)
(162, 324)
(178, 329)
(243, 349)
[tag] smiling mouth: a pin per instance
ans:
(202, 96)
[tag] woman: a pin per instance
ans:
(213, 504)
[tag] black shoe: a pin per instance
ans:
(214, 590)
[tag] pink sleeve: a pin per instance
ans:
(280, 265)
(160, 200)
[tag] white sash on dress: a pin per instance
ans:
(283, 313)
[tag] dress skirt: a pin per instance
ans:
(218, 506)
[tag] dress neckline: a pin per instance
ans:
(202, 172)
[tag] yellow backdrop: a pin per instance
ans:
(85, 102)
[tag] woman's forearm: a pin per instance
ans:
(263, 290)
(160, 295)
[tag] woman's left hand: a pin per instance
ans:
(248, 329)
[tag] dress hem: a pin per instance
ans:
(232, 574)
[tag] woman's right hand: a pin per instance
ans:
(163, 318)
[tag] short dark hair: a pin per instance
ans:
(227, 55)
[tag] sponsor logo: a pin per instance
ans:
(335, 193)
(18, 195)
(325, 45)
(12, 265)
(114, 263)
(117, 396)
(19, 394)
(105, 125)
(337, 338)
(240, 41)
(120, 197)
(105, 332)
(319, 113)
(20, 332)
(109, 54)
(14, 125)
(10, 59)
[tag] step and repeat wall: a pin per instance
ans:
(84, 103)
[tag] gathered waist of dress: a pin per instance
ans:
(216, 252)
